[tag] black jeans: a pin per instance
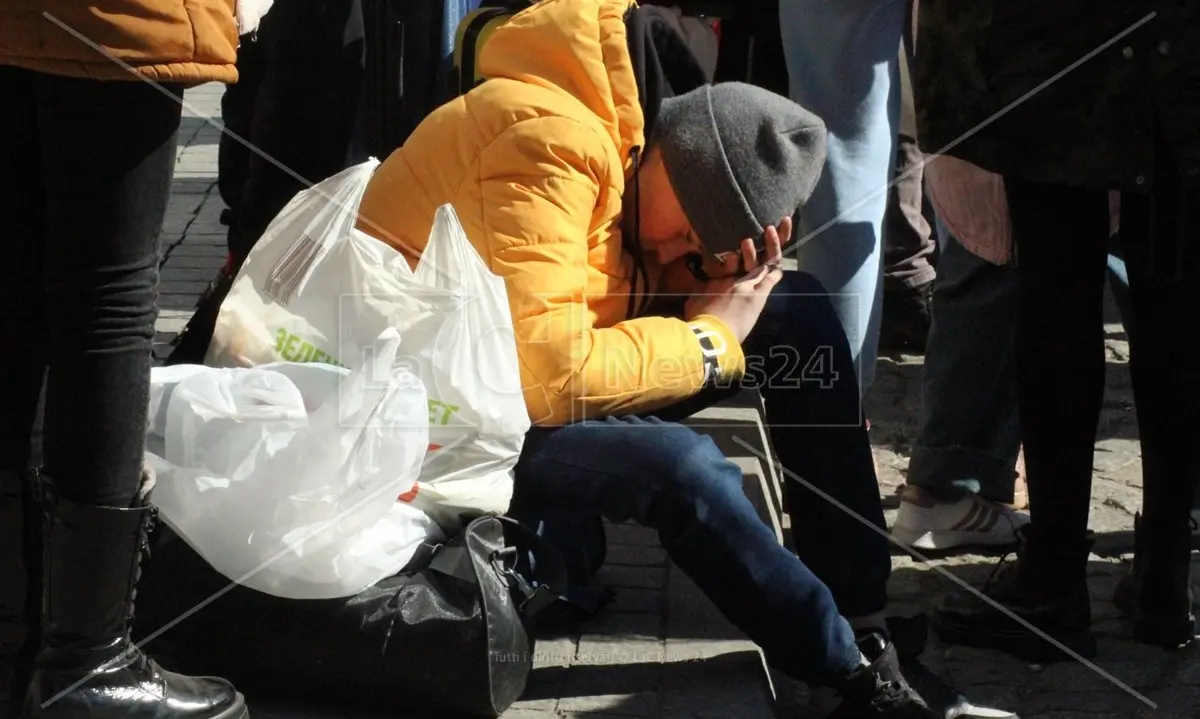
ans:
(1061, 267)
(85, 175)
(297, 102)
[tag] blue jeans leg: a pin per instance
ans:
(666, 476)
(798, 357)
(843, 63)
(969, 433)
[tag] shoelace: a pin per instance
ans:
(1001, 567)
(890, 694)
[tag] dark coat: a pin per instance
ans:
(1093, 126)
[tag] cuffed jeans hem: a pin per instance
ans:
(950, 472)
(909, 282)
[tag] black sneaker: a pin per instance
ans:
(878, 690)
(1046, 588)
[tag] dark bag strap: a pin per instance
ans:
(542, 584)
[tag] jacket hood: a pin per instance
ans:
(577, 47)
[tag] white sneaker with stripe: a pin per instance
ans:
(923, 523)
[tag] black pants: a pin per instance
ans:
(1059, 234)
(297, 102)
(85, 175)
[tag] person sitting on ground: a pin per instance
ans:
(591, 171)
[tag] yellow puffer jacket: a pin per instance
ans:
(535, 163)
(178, 41)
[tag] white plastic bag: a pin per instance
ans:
(314, 289)
(284, 477)
(478, 417)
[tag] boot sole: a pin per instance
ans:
(1165, 632)
(1168, 632)
(237, 710)
(1020, 643)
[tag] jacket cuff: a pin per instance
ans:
(719, 346)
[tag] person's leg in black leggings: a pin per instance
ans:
(22, 304)
(22, 366)
(103, 160)
(1061, 258)
(1159, 233)
(107, 158)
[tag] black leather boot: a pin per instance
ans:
(87, 666)
(1046, 587)
(20, 581)
(1156, 593)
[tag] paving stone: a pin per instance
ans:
(199, 233)
(631, 534)
(185, 275)
(179, 287)
(189, 249)
(625, 690)
(177, 225)
(635, 577)
(172, 301)
(191, 185)
(210, 262)
(611, 623)
(637, 555)
(555, 652)
(604, 650)
(628, 599)
(725, 686)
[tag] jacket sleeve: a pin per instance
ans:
(542, 182)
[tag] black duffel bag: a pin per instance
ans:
(452, 633)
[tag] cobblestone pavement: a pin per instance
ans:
(1171, 680)
(662, 650)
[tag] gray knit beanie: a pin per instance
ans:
(740, 159)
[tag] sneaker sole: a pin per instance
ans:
(1019, 643)
(942, 539)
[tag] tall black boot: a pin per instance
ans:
(20, 583)
(87, 666)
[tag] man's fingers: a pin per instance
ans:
(785, 231)
(749, 256)
(770, 279)
(774, 245)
